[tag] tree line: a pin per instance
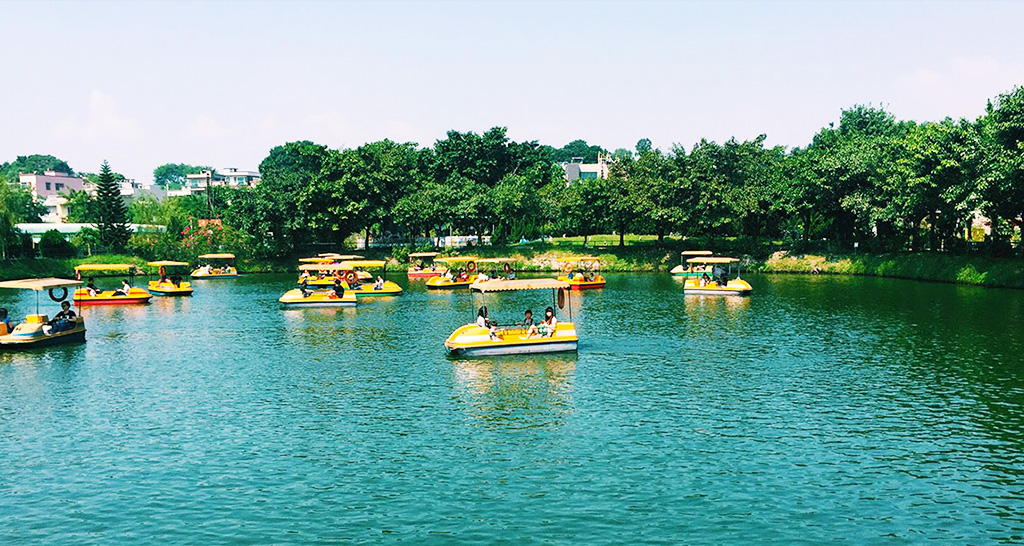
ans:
(870, 179)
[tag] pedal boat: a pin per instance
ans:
(714, 287)
(224, 271)
(691, 270)
(110, 297)
(318, 298)
(474, 340)
(482, 277)
(583, 273)
(321, 278)
(163, 286)
(465, 281)
(419, 270)
(348, 271)
(34, 332)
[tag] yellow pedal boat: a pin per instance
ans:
(317, 298)
(719, 282)
(583, 273)
(172, 285)
(120, 296)
(349, 270)
(477, 340)
(208, 271)
(37, 330)
(461, 273)
(321, 277)
(419, 270)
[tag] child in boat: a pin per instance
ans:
(379, 284)
(547, 326)
(91, 287)
(527, 320)
(338, 290)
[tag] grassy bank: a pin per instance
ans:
(544, 257)
(928, 266)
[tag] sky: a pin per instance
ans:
(220, 83)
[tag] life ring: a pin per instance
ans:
(63, 295)
(350, 277)
(162, 271)
(561, 298)
(507, 268)
(567, 268)
(78, 275)
(471, 267)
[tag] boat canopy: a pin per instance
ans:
(457, 259)
(337, 256)
(522, 284)
(323, 267)
(352, 264)
(696, 253)
(104, 267)
(40, 284)
(166, 263)
(712, 260)
(422, 254)
(219, 256)
(495, 260)
(318, 260)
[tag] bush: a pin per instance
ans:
(53, 245)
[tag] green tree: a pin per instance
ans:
(578, 149)
(34, 163)
(112, 214)
(175, 173)
(81, 206)
(643, 146)
(53, 245)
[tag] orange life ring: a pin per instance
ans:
(78, 275)
(350, 277)
(471, 267)
(508, 267)
(567, 268)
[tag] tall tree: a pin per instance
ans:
(175, 173)
(112, 214)
(35, 163)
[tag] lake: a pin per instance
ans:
(818, 410)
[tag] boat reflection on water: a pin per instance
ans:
(517, 391)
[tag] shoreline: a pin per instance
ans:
(974, 270)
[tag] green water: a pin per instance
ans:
(819, 410)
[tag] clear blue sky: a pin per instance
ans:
(220, 83)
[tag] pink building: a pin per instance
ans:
(46, 189)
(49, 183)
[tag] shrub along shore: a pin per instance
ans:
(937, 267)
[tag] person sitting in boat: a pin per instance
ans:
(64, 320)
(304, 288)
(484, 322)
(339, 291)
(91, 287)
(463, 276)
(527, 320)
(379, 283)
(704, 279)
(482, 276)
(304, 276)
(511, 274)
(125, 288)
(163, 276)
(448, 274)
(547, 325)
(5, 322)
(719, 275)
(176, 280)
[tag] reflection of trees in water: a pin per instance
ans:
(517, 392)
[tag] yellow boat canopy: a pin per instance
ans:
(580, 259)
(318, 260)
(352, 264)
(522, 284)
(422, 254)
(337, 256)
(166, 263)
(104, 267)
(712, 260)
(495, 260)
(697, 253)
(457, 259)
(323, 267)
(40, 284)
(220, 256)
